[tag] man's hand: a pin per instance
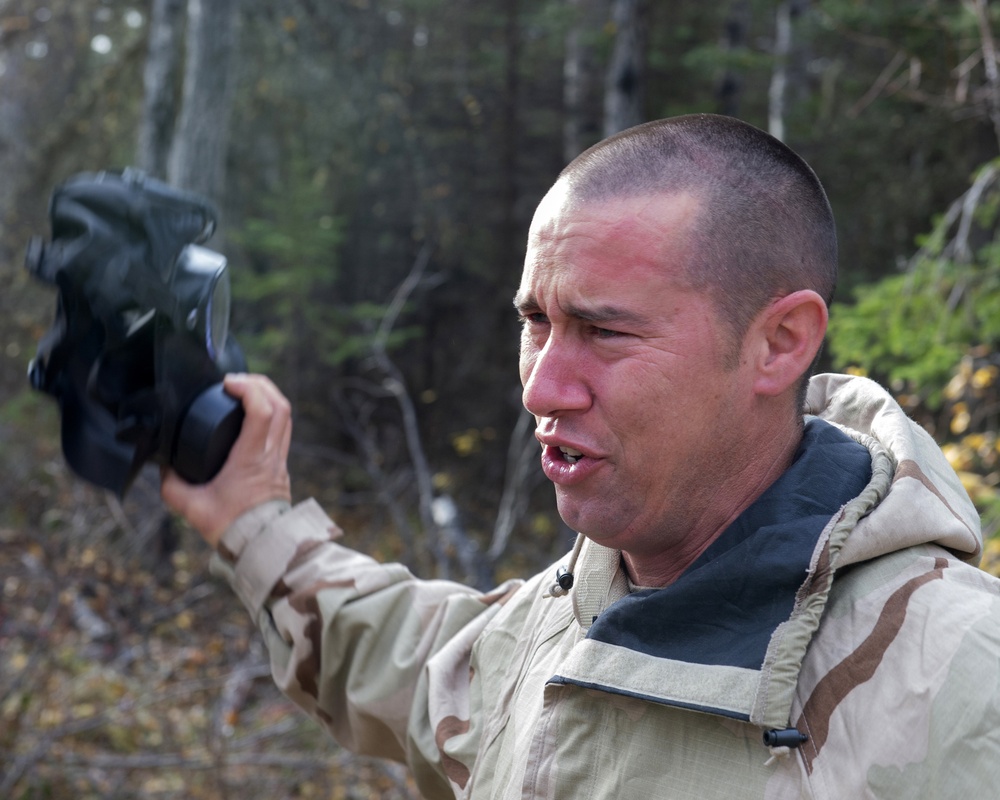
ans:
(256, 470)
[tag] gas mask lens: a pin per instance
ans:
(201, 284)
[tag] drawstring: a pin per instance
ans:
(564, 575)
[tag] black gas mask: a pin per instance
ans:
(139, 345)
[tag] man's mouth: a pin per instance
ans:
(571, 455)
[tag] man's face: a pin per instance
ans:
(623, 370)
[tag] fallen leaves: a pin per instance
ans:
(122, 676)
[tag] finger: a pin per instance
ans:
(280, 432)
(269, 397)
(285, 441)
(259, 409)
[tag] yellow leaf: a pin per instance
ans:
(957, 456)
(984, 376)
(960, 422)
(975, 441)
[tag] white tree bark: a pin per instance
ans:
(198, 156)
(159, 105)
(779, 76)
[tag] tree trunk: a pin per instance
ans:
(510, 141)
(779, 76)
(581, 78)
(989, 49)
(623, 88)
(731, 87)
(159, 105)
(197, 158)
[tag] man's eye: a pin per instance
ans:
(535, 318)
(606, 333)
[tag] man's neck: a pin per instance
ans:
(661, 568)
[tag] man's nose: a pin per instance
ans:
(554, 380)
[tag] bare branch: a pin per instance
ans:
(521, 453)
(406, 288)
(369, 453)
(41, 646)
(396, 386)
(881, 82)
(970, 202)
(236, 688)
(16, 770)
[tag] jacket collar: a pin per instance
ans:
(731, 632)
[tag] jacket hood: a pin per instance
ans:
(927, 503)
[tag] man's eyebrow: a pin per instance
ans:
(596, 315)
(525, 302)
(605, 314)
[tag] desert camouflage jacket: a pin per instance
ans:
(841, 608)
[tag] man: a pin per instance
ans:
(761, 603)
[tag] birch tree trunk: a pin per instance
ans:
(159, 105)
(779, 76)
(623, 88)
(198, 155)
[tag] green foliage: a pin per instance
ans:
(899, 330)
(913, 329)
(933, 334)
(289, 288)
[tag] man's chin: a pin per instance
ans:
(583, 520)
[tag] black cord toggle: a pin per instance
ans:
(789, 737)
(564, 578)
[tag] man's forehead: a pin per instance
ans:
(652, 231)
(557, 200)
(565, 198)
(599, 292)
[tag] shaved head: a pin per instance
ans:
(765, 228)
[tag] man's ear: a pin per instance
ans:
(789, 333)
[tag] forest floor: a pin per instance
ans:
(127, 670)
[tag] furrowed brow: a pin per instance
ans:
(598, 315)
(602, 315)
(525, 302)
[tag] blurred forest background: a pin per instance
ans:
(376, 163)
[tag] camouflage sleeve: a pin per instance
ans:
(351, 640)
